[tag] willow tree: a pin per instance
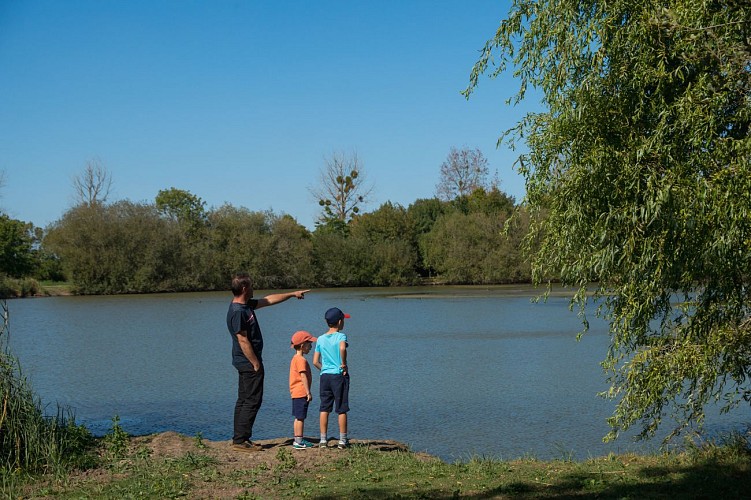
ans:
(638, 176)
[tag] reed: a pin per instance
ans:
(30, 441)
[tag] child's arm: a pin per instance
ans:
(317, 360)
(343, 355)
(306, 384)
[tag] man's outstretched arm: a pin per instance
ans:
(276, 298)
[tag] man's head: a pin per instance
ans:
(241, 283)
(334, 315)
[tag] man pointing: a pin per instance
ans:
(247, 347)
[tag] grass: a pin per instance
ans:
(55, 288)
(710, 471)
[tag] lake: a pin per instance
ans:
(454, 371)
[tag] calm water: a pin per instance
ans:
(451, 371)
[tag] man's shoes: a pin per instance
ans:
(343, 444)
(247, 446)
(304, 445)
(323, 444)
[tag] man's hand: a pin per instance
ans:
(300, 294)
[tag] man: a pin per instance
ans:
(247, 346)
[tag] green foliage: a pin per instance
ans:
(182, 206)
(390, 234)
(488, 202)
(289, 255)
(424, 212)
(16, 245)
(285, 460)
(119, 248)
(341, 261)
(22, 261)
(378, 249)
(388, 223)
(275, 250)
(21, 287)
(116, 441)
(473, 249)
(50, 267)
(198, 441)
(639, 177)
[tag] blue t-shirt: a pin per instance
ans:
(328, 346)
(242, 317)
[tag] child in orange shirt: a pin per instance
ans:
(299, 386)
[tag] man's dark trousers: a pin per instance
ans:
(249, 399)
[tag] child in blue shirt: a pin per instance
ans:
(331, 358)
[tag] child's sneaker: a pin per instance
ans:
(303, 445)
(343, 444)
(323, 444)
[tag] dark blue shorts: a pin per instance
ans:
(300, 408)
(334, 389)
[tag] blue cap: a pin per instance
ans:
(333, 316)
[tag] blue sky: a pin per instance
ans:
(240, 102)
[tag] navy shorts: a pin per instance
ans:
(334, 389)
(300, 408)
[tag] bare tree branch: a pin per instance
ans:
(342, 188)
(93, 185)
(462, 172)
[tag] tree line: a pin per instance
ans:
(127, 247)
(176, 244)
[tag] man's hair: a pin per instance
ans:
(239, 281)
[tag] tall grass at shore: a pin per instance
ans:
(31, 441)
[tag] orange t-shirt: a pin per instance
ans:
(296, 387)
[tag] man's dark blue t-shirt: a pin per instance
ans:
(242, 317)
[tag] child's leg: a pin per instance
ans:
(324, 425)
(327, 404)
(343, 439)
(299, 428)
(342, 407)
(300, 412)
(343, 423)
